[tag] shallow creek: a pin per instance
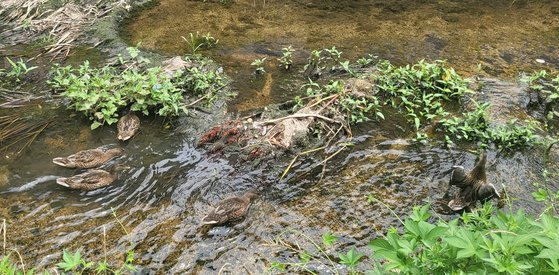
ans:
(173, 184)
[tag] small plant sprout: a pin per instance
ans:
(18, 69)
(259, 64)
(313, 68)
(334, 54)
(287, 57)
(366, 60)
(346, 68)
(197, 41)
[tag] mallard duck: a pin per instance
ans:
(127, 126)
(230, 209)
(92, 179)
(88, 158)
(473, 185)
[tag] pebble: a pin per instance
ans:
(541, 61)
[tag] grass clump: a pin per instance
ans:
(100, 93)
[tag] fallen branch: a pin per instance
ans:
(274, 121)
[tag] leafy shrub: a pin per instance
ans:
(547, 86)
(474, 127)
(487, 241)
(101, 92)
(421, 89)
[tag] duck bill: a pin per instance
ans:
(62, 181)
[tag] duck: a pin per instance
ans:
(473, 186)
(88, 158)
(127, 126)
(230, 209)
(92, 179)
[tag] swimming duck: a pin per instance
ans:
(127, 126)
(88, 158)
(230, 209)
(473, 186)
(92, 179)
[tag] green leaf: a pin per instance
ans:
(351, 258)
(305, 257)
(328, 239)
(70, 261)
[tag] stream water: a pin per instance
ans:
(173, 184)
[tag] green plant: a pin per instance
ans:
(101, 92)
(9, 268)
(474, 126)
(259, 64)
(346, 68)
(18, 69)
(203, 81)
(547, 86)
(488, 241)
(356, 109)
(333, 54)
(197, 41)
(286, 59)
(73, 262)
(421, 89)
(366, 60)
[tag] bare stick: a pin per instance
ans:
(273, 121)
(296, 157)
(4, 235)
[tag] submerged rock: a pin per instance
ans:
(172, 65)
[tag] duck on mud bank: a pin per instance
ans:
(473, 186)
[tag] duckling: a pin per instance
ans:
(88, 158)
(127, 126)
(473, 186)
(230, 209)
(92, 179)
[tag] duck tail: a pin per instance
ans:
(62, 162)
(479, 169)
(62, 181)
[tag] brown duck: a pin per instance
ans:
(230, 209)
(127, 126)
(88, 158)
(92, 179)
(473, 186)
